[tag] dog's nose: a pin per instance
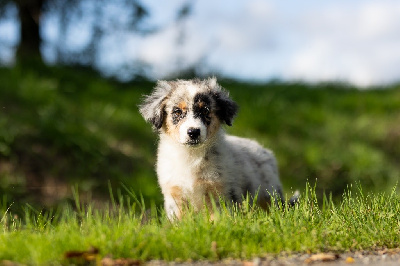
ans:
(193, 133)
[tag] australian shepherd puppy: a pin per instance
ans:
(196, 159)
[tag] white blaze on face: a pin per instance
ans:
(192, 90)
(191, 122)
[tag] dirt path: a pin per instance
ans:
(386, 257)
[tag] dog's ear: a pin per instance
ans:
(226, 107)
(153, 105)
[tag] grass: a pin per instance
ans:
(361, 221)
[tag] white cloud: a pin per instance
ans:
(349, 41)
(166, 54)
(357, 45)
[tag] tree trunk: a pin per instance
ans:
(29, 12)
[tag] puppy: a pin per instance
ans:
(196, 159)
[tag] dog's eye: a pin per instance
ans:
(176, 111)
(177, 114)
(206, 110)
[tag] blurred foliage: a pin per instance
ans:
(62, 127)
(331, 133)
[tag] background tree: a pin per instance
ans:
(31, 12)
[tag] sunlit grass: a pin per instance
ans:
(359, 221)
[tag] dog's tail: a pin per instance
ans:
(294, 199)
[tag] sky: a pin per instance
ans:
(354, 41)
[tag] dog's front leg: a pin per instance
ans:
(171, 208)
(173, 202)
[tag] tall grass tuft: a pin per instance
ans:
(359, 221)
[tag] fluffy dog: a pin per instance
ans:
(196, 160)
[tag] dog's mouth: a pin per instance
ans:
(194, 142)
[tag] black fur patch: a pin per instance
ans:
(202, 108)
(227, 108)
(233, 196)
(247, 187)
(157, 120)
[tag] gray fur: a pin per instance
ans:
(152, 108)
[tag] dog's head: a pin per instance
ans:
(189, 111)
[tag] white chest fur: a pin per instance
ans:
(187, 168)
(180, 165)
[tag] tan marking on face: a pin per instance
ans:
(182, 105)
(168, 126)
(171, 129)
